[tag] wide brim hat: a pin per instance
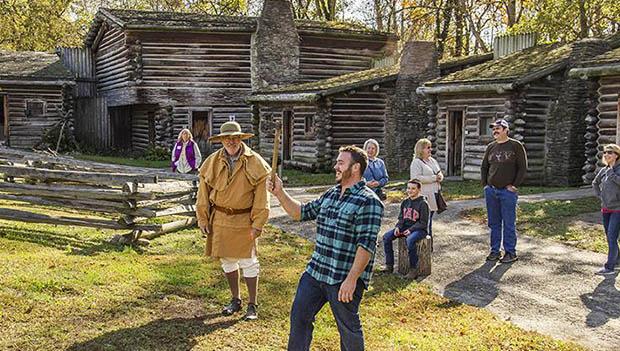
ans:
(230, 128)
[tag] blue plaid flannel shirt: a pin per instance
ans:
(343, 224)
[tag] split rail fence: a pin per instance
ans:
(128, 197)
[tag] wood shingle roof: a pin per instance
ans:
(28, 65)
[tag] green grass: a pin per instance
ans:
(465, 190)
(560, 220)
(66, 288)
(136, 162)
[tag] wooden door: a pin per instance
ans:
(201, 127)
(287, 134)
(455, 142)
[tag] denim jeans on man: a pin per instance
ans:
(411, 239)
(611, 222)
(311, 296)
(502, 217)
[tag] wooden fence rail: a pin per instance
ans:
(122, 198)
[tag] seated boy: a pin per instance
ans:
(412, 224)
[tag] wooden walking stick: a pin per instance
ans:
(276, 153)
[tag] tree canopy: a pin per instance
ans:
(459, 27)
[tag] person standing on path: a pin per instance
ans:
(426, 169)
(186, 157)
(348, 219)
(232, 206)
(376, 174)
(606, 186)
(503, 169)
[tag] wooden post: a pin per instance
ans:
(423, 248)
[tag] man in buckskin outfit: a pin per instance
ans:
(232, 207)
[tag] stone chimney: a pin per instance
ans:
(409, 118)
(275, 46)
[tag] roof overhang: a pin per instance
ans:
(36, 81)
(596, 71)
(283, 98)
(465, 88)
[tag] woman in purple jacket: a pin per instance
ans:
(186, 157)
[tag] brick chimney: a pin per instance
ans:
(275, 46)
(409, 118)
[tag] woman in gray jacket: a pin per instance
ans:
(606, 186)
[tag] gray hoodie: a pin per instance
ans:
(606, 186)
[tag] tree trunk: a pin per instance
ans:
(511, 12)
(459, 22)
(583, 20)
(378, 14)
(445, 26)
(423, 248)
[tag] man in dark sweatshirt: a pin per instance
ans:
(412, 224)
(503, 170)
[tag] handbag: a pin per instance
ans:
(441, 202)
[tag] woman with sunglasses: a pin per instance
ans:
(606, 186)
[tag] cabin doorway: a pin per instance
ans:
(4, 117)
(287, 134)
(201, 126)
(455, 143)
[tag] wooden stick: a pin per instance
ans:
(24, 216)
(276, 154)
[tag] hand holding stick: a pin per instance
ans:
(275, 155)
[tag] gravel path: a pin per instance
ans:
(551, 289)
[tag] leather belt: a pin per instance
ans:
(231, 211)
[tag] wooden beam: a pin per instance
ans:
(30, 217)
(98, 178)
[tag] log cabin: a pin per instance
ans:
(319, 117)
(36, 92)
(603, 115)
(531, 89)
(159, 72)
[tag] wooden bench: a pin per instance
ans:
(423, 248)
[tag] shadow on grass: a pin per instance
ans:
(603, 302)
(160, 334)
(479, 287)
(76, 244)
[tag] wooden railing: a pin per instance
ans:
(122, 198)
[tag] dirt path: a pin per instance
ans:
(551, 289)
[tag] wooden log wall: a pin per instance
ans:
(358, 116)
(81, 62)
(474, 106)
(112, 60)
(534, 104)
(604, 127)
(142, 126)
(24, 131)
(304, 154)
(325, 57)
(195, 61)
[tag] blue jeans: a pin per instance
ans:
(611, 222)
(502, 214)
(311, 296)
(411, 239)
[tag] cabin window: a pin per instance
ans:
(309, 124)
(484, 125)
(35, 108)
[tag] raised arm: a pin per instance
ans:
(290, 205)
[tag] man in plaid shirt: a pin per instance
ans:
(348, 219)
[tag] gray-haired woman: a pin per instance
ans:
(606, 186)
(376, 174)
